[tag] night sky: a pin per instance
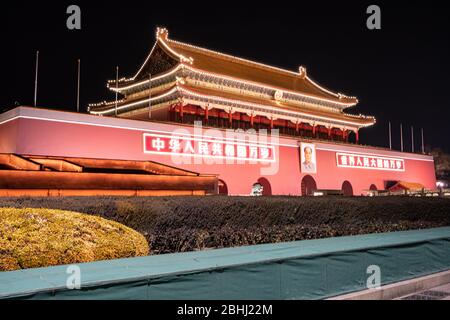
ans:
(399, 74)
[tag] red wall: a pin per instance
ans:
(8, 136)
(32, 131)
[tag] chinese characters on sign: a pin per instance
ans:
(349, 160)
(207, 148)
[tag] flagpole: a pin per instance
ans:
(78, 86)
(117, 88)
(423, 142)
(412, 139)
(150, 95)
(401, 136)
(36, 78)
(390, 136)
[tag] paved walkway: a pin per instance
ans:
(436, 293)
(431, 287)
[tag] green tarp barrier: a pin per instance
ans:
(311, 269)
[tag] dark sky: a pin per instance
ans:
(399, 74)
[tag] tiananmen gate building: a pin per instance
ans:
(196, 121)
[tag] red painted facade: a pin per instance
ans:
(31, 131)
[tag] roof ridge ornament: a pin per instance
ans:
(162, 33)
(180, 80)
(302, 72)
(342, 96)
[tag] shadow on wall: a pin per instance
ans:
(223, 188)
(347, 189)
(308, 186)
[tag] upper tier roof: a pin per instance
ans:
(241, 69)
(210, 96)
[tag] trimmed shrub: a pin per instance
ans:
(31, 238)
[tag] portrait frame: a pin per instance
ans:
(308, 159)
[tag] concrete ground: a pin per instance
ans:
(432, 287)
(436, 293)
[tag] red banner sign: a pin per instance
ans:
(207, 148)
(350, 160)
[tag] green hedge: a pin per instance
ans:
(176, 224)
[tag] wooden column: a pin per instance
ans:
(297, 127)
(230, 116)
(171, 113)
(357, 136)
(329, 132)
(251, 120)
(346, 134)
(271, 122)
(181, 112)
